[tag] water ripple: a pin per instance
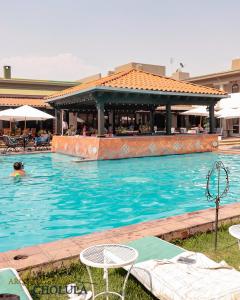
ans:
(60, 198)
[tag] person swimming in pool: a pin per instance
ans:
(18, 169)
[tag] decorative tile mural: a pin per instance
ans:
(94, 148)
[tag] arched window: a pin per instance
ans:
(235, 88)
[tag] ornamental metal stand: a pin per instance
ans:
(215, 175)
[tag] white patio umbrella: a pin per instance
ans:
(7, 115)
(28, 113)
(200, 111)
(233, 101)
(79, 120)
(229, 113)
(197, 111)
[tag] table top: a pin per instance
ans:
(108, 256)
(234, 230)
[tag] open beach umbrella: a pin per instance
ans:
(79, 120)
(28, 113)
(233, 101)
(7, 115)
(229, 113)
(200, 111)
(197, 111)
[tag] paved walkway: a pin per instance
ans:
(170, 228)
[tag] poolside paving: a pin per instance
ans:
(60, 251)
(2, 153)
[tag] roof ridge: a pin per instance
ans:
(178, 80)
(116, 75)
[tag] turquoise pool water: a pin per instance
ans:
(61, 198)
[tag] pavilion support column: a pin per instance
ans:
(113, 121)
(58, 122)
(168, 119)
(212, 126)
(151, 119)
(61, 121)
(100, 111)
(110, 118)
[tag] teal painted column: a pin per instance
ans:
(168, 119)
(100, 111)
(212, 125)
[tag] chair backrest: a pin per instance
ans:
(6, 140)
(6, 131)
(18, 131)
(26, 131)
(33, 131)
(10, 141)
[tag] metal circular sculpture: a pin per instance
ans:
(218, 178)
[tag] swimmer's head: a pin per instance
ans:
(18, 166)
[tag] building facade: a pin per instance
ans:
(228, 81)
(15, 92)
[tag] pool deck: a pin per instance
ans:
(63, 251)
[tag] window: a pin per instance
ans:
(235, 88)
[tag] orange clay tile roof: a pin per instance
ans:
(4, 101)
(139, 80)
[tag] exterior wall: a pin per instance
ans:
(179, 75)
(235, 64)
(219, 82)
(229, 82)
(94, 148)
(155, 69)
(90, 78)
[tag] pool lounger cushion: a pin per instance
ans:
(172, 273)
(10, 283)
(151, 247)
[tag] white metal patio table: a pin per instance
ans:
(234, 230)
(109, 256)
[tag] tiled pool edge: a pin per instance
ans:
(182, 226)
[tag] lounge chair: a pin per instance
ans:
(170, 272)
(6, 131)
(42, 142)
(11, 284)
(11, 143)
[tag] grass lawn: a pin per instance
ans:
(76, 273)
(227, 246)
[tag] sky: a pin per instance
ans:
(71, 39)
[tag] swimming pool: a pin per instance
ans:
(61, 197)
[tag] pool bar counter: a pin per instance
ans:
(103, 148)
